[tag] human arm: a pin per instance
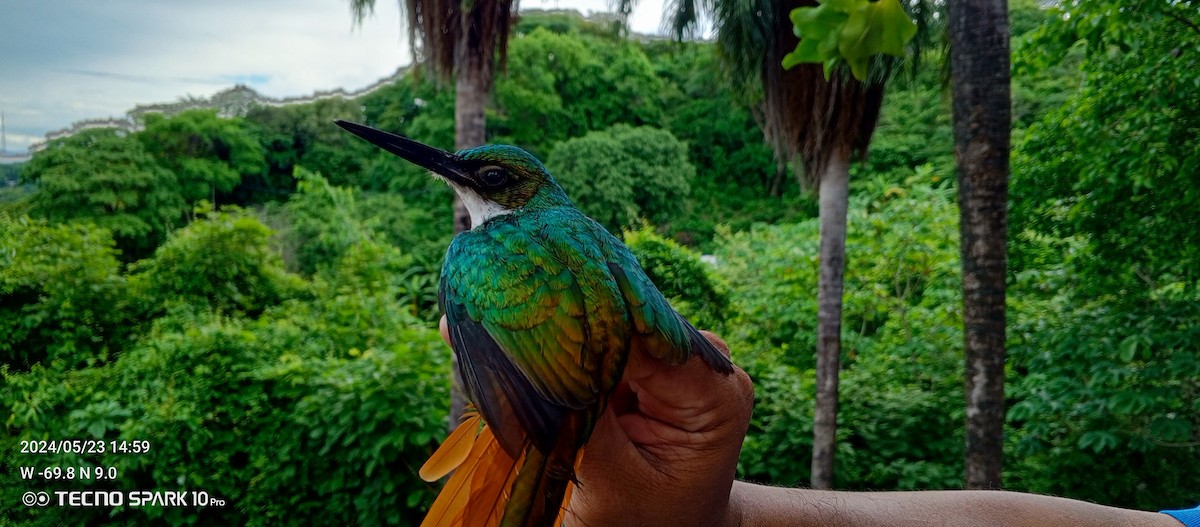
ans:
(764, 506)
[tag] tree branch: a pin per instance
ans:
(1181, 19)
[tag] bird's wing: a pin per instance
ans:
(657, 328)
(519, 322)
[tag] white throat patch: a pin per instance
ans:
(479, 208)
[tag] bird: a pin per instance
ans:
(543, 307)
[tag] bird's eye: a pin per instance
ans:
(493, 177)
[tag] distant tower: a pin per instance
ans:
(3, 136)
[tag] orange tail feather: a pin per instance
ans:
(479, 491)
(454, 449)
(452, 500)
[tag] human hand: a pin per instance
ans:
(666, 449)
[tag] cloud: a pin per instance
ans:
(149, 79)
(70, 60)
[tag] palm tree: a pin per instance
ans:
(825, 125)
(459, 40)
(979, 71)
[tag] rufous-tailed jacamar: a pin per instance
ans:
(543, 307)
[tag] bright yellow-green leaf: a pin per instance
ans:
(816, 22)
(874, 28)
(858, 67)
(844, 6)
(850, 30)
(818, 28)
(807, 51)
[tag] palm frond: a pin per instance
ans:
(435, 26)
(806, 119)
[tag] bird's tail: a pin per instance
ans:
(540, 492)
(485, 480)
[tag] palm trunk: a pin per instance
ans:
(982, 122)
(834, 195)
(470, 125)
(470, 129)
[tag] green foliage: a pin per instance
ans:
(901, 332)
(316, 412)
(222, 262)
(417, 108)
(305, 135)
(1120, 170)
(693, 288)
(209, 155)
(15, 199)
(10, 173)
(1104, 317)
(102, 175)
(303, 432)
(321, 222)
(1108, 396)
(564, 85)
(63, 300)
(914, 130)
(853, 31)
(738, 182)
(12, 193)
(560, 22)
(371, 421)
(622, 174)
(1037, 92)
(413, 285)
(1025, 16)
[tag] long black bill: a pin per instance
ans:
(437, 160)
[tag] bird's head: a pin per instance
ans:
(492, 180)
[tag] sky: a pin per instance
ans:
(63, 61)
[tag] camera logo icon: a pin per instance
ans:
(40, 499)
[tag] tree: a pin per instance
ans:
(208, 154)
(1105, 309)
(563, 85)
(223, 263)
(623, 174)
(1114, 167)
(824, 123)
(737, 180)
(62, 298)
(899, 426)
(301, 135)
(107, 177)
(980, 78)
(250, 381)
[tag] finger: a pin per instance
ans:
(608, 446)
(688, 385)
(641, 365)
(690, 397)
